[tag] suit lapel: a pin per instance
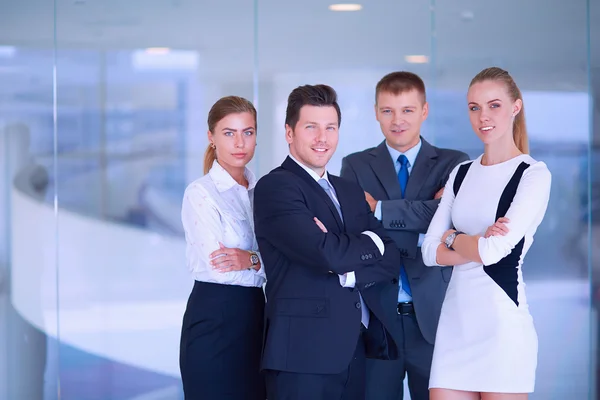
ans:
(292, 166)
(420, 171)
(385, 171)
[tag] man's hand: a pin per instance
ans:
(439, 194)
(320, 225)
(372, 202)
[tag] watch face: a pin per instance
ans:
(450, 239)
(254, 259)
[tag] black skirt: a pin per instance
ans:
(221, 343)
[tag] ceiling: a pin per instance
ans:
(542, 42)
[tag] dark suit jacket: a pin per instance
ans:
(373, 169)
(312, 323)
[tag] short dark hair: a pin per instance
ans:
(400, 82)
(310, 95)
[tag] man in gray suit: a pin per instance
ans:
(405, 206)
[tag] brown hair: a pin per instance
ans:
(222, 108)
(519, 128)
(400, 82)
(310, 95)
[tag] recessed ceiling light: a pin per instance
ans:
(345, 7)
(157, 50)
(417, 59)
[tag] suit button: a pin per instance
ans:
(403, 225)
(370, 256)
(357, 305)
(362, 257)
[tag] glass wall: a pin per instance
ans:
(103, 110)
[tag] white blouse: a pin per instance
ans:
(218, 209)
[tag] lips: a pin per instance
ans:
(320, 150)
(239, 155)
(486, 129)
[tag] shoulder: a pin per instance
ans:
(537, 170)
(451, 155)
(202, 190)
(358, 157)
(277, 178)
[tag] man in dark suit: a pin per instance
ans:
(326, 258)
(403, 179)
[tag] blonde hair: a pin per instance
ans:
(222, 108)
(519, 127)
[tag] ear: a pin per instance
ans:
(210, 136)
(517, 107)
(289, 134)
(425, 110)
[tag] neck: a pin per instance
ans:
(237, 173)
(404, 149)
(498, 152)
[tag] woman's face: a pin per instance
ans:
(492, 111)
(235, 140)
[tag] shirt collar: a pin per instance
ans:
(223, 181)
(312, 173)
(410, 154)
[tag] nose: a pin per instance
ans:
(483, 117)
(321, 135)
(239, 142)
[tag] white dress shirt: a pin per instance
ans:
(218, 209)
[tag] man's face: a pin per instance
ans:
(400, 117)
(315, 137)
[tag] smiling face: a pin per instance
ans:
(234, 137)
(400, 117)
(492, 111)
(314, 138)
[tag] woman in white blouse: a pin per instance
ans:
(222, 331)
(486, 344)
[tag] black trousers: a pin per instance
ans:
(347, 385)
(221, 343)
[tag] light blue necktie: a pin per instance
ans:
(325, 185)
(403, 179)
(364, 311)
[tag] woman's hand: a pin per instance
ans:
(499, 228)
(320, 225)
(226, 259)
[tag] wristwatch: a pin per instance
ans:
(254, 258)
(450, 239)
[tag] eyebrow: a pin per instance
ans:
(491, 101)
(235, 130)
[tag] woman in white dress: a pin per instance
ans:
(222, 333)
(486, 343)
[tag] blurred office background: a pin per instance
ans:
(103, 109)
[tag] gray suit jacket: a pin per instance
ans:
(373, 169)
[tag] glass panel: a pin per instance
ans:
(546, 53)
(28, 256)
(135, 83)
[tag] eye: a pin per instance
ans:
(331, 128)
(387, 111)
(310, 126)
(474, 108)
(228, 133)
(249, 133)
(494, 105)
(408, 111)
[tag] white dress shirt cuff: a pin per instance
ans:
(348, 279)
(377, 212)
(377, 240)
